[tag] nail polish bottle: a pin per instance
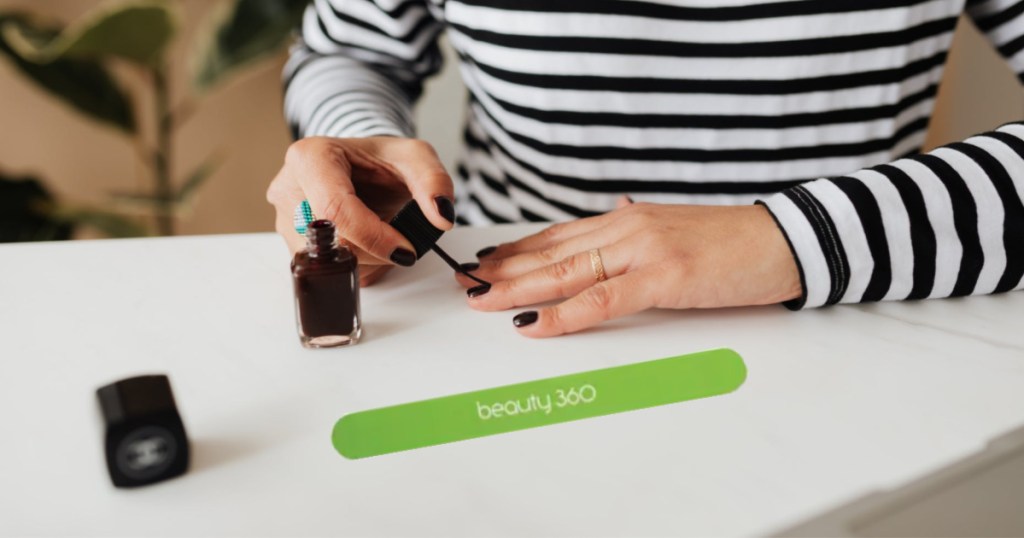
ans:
(326, 281)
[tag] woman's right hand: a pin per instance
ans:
(358, 183)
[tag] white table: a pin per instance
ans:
(838, 402)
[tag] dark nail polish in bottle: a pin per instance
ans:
(326, 279)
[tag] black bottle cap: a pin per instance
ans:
(413, 224)
(145, 439)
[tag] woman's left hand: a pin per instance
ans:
(654, 256)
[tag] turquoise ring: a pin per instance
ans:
(302, 217)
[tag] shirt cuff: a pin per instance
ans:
(804, 225)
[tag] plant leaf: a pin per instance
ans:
(24, 212)
(84, 84)
(138, 31)
(109, 223)
(197, 178)
(138, 203)
(237, 35)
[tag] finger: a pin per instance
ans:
(554, 234)
(565, 278)
(285, 195)
(326, 181)
(370, 275)
(623, 201)
(296, 243)
(365, 258)
(423, 174)
(516, 265)
(617, 297)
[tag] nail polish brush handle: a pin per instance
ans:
(413, 224)
(455, 265)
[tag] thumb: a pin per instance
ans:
(429, 183)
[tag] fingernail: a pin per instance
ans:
(524, 319)
(477, 291)
(486, 252)
(471, 266)
(630, 199)
(403, 257)
(445, 207)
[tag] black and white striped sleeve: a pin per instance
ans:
(946, 223)
(942, 224)
(358, 67)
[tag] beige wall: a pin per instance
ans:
(82, 160)
(242, 119)
(978, 93)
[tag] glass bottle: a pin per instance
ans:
(326, 282)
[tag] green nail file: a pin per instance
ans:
(538, 403)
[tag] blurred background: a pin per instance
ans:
(224, 136)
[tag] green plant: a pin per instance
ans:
(74, 63)
(25, 212)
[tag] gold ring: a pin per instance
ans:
(597, 265)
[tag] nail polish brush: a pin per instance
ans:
(413, 224)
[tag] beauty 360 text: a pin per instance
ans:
(537, 403)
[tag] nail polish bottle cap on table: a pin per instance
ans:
(413, 224)
(145, 439)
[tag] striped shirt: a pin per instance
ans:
(815, 108)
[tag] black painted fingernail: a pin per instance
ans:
(477, 291)
(403, 257)
(471, 266)
(630, 198)
(524, 319)
(486, 252)
(445, 207)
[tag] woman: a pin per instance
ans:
(778, 140)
